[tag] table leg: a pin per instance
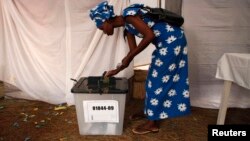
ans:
(224, 101)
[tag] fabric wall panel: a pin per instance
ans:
(214, 27)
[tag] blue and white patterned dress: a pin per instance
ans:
(167, 87)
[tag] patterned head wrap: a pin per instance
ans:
(101, 13)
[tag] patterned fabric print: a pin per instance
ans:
(167, 87)
(100, 13)
(134, 10)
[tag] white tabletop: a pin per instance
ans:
(235, 67)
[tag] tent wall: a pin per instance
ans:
(45, 43)
(173, 5)
(1, 45)
(212, 28)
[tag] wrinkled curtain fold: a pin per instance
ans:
(34, 42)
(45, 43)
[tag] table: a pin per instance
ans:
(232, 67)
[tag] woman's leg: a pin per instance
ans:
(137, 116)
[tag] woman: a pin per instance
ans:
(167, 88)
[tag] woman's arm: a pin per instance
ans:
(131, 41)
(148, 36)
(141, 27)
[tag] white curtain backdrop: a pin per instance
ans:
(2, 55)
(44, 43)
(214, 27)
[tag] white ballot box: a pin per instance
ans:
(100, 105)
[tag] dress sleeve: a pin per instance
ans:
(132, 10)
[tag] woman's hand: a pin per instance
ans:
(114, 71)
(111, 73)
(125, 63)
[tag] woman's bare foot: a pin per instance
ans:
(148, 127)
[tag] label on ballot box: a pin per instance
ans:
(101, 111)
